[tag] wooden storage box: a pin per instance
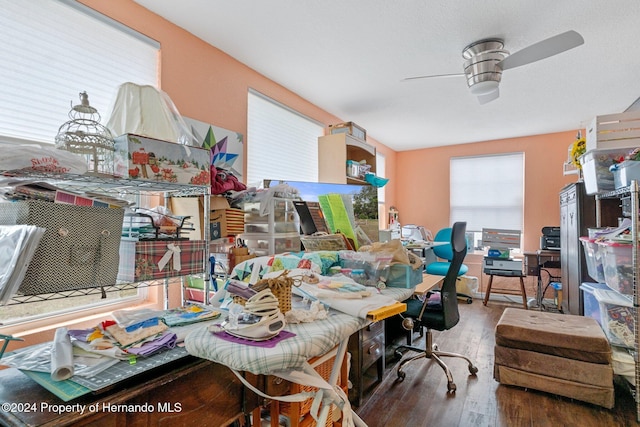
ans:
(614, 131)
(160, 259)
(350, 128)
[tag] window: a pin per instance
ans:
(54, 50)
(488, 191)
(282, 143)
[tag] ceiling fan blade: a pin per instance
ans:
(433, 76)
(543, 49)
(483, 99)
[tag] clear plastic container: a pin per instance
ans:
(593, 257)
(591, 304)
(616, 317)
(270, 244)
(617, 264)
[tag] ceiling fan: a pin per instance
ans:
(485, 60)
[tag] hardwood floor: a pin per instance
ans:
(422, 398)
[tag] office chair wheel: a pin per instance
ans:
(473, 369)
(401, 375)
(451, 387)
(397, 354)
(469, 300)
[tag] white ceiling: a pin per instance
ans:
(350, 57)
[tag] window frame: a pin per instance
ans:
(483, 181)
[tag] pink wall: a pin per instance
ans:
(423, 192)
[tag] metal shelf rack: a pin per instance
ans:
(632, 192)
(109, 185)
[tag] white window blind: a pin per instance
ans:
(281, 143)
(54, 49)
(488, 191)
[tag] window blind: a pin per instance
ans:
(282, 144)
(55, 49)
(488, 191)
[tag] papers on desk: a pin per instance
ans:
(43, 358)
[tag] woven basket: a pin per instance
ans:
(289, 409)
(280, 287)
(239, 300)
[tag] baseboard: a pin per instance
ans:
(515, 299)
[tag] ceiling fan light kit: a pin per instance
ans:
(481, 65)
(485, 60)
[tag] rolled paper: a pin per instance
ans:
(61, 356)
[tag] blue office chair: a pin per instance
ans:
(445, 254)
(438, 314)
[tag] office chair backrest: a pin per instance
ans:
(443, 251)
(448, 292)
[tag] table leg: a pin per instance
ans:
(488, 291)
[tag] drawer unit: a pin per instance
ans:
(275, 232)
(367, 348)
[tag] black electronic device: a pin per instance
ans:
(550, 239)
(551, 231)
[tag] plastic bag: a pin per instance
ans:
(147, 111)
(40, 158)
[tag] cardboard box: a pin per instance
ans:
(350, 128)
(148, 159)
(223, 220)
(226, 222)
(160, 259)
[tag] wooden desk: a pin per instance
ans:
(193, 391)
(429, 282)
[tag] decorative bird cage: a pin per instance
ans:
(84, 135)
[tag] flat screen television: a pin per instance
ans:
(327, 207)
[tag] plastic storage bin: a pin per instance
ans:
(404, 276)
(617, 265)
(261, 244)
(595, 168)
(281, 217)
(616, 317)
(594, 259)
(591, 305)
(625, 172)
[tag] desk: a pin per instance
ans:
(180, 394)
(536, 263)
(429, 282)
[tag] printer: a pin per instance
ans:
(502, 266)
(550, 238)
(498, 261)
